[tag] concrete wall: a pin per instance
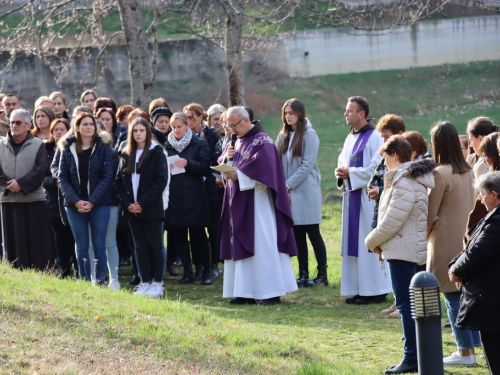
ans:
(337, 51)
(311, 53)
(178, 60)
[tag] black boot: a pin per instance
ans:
(303, 280)
(321, 278)
(198, 272)
(207, 278)
(188, 277)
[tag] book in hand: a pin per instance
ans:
(223, 168)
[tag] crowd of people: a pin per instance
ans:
(99, 187)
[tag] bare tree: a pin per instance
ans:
(234, 26)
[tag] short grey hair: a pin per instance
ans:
(239, 110)
(23, 113)
(489, 182)
(216, 108)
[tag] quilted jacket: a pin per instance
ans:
(401, 232)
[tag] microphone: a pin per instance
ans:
(233, 141)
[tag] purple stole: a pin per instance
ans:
(354, 196)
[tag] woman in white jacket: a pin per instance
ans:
(401, 233)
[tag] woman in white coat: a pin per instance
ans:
(401, 234)
(298, 146)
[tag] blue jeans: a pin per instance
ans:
(401, 275)
(465, 339)
(98, 219)
(111, 247)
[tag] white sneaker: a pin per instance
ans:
(114, 284)
(142, 289)
(155, 290)
(456, 359)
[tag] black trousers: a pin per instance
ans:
(149, 254)
(311, 230)
(178, 238)
(491, 345)
(65, 245)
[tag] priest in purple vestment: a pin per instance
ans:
(256, 223)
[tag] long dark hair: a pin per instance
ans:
(300, 111)
(481, 126)
(76, 124)
(131, 147)
(446, 147)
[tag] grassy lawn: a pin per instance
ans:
(49, 326)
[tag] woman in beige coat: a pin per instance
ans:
(400, 236)
(450, 202)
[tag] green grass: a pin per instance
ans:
(51, 326)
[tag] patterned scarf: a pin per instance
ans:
(180, 145)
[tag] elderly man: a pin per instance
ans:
(23, 160)
(256, 224)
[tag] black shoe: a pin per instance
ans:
(269, 301)
(447, 325)
(406, 366)
(303, 280)
(207, 275)
(242, 301)
(352, 300)
(198, 273)
(136, 280)
(321, 278)
(186, 279)
(368, 300)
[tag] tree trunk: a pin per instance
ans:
(138, 53)
(235, 11)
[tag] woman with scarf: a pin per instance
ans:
(189, 162)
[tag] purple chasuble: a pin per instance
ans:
(354, 196)
(257, 157)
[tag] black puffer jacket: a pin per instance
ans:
(188, 204)
(153, 180)
(478, 265)
(101, 172)
(50, 186)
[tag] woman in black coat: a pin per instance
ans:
(141, 181)
(86, 179)
(188, 208)
(476, 269)
(63, 237)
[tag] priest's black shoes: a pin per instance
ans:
(406, 366)
(269, 301)
(242, 301)
(352, 300)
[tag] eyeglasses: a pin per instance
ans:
(17, 123)
(235, 125)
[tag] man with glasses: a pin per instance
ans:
(256, 224)
(23, 162)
